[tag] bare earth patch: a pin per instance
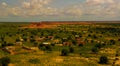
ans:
(58, 59)
(11, 64)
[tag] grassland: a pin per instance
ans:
(28, 44)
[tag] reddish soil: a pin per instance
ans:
(46, 24)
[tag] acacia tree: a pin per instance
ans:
(103, 60)
(65, 52)
(71, 49)
(112, 42)
(4, 61)
(94, 49)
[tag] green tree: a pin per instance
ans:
(4, 44)
(4, 61)
(65, 52)
(94, 49)
(103, 60)
(71, 49)
(74, 42)
(112, 42)
(32, 40)
(17, 40)
(49, 48)
(98, 45)
(2, 38)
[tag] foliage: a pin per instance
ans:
(103, 60)
(98, 45)
(97, 37)
(45, 47)
(71, 50)
(34, 61)
(4, 61)
(65, 52)
(112, 42)
(94, 49)
(17, 40)
(49, 48)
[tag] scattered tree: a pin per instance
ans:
(71, 50)
(98, 45)
(65, 52)
(17, 40)
(49, 47)
(103, 60)
(94, 49)
(4, 61)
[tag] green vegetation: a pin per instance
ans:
(34, 61)
(103, 60)
(65, 52)
(66, 45)
(4, 61)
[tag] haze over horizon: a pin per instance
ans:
(59, 10)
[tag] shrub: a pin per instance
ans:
(32, 40)
(74, 42)
(25, 38)
(10, 44)
(2, 38)
(43, 47)
(17, 40)
(49, 47)
(4, 44)
(98, 45)
(103, 60)
(80, 44)
(94, 49)
(112, 42)
(65, 52)
(35, 44)
(34, 61)
(53, 44)
(4, 61)
(71, 49)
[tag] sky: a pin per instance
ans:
(59, 10)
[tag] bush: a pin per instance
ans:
(4, 61)
(25, 39)
(80, 44)
(112, 42)
(53, 44)
(32, 40)
(10, 44)
(94, 49)
(103, 60)
(34, 61)
(49, 47)
(17, 40)
(98, 45)
(35, 44)
(65, 52)
(71, 49)
(43, 47)
(4, 44)
(74, 42)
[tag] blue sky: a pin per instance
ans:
(59, 10)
